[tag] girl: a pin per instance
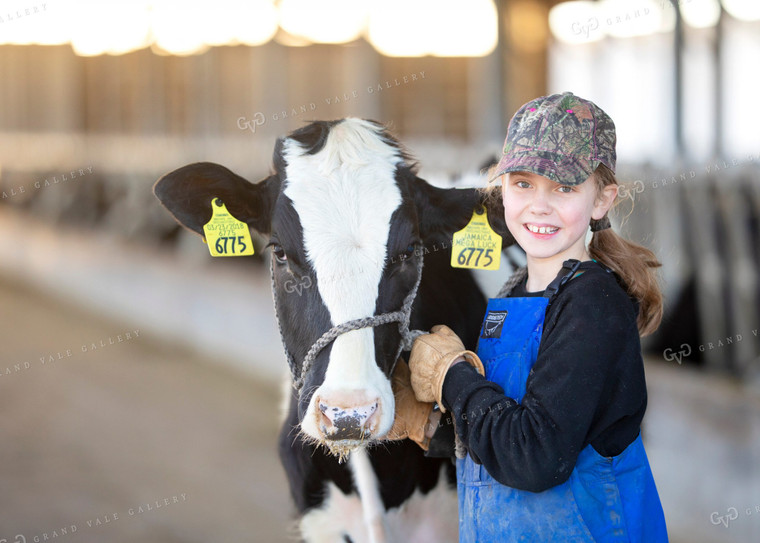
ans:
(549, 408)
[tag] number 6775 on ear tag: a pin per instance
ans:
(225, 235)
(476, 246)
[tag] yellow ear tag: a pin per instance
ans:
(225, 235)
(476, 246)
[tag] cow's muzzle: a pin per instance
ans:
(346, 421)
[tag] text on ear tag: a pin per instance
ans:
(225, 235)
(476, 246)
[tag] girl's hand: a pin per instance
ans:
(431, 357)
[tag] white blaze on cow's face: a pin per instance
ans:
(345, 195)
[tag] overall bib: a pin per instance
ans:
(606, 499)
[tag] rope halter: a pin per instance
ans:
(401, 316)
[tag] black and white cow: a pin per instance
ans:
(349, 221)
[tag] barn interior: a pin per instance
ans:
(140, 378)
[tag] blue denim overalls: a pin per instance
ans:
(606, 499)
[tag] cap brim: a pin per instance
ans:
(559, 168)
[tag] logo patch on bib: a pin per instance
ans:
(493, 323)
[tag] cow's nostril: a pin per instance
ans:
(330, 412)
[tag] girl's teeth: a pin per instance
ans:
(542, 229)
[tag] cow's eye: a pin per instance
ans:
(407, 253)
(278, 252)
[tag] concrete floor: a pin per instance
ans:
(89, 438)
(702, 436)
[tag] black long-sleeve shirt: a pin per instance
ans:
(586, 386)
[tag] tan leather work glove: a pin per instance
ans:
(413, 417)
(431, 357)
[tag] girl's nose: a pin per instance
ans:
(540, 202)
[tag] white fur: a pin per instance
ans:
(421, 519)
(339, 514)
(344, 196)
(372, 504)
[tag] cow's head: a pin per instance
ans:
(347, 218)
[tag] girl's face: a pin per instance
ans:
(548, 220)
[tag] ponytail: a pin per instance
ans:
(634, 264)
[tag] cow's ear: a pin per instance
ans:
(187, 193)
(442, 212)
(495, 207)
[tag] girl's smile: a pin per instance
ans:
(542, 231)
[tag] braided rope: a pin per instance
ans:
(514, 280)
(402, 316)
(291, 361)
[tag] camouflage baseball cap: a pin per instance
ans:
(561, 136)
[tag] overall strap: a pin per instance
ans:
(569, 268)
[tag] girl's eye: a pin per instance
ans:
(566, 189)
(522, 184)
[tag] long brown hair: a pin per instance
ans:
(634, 264)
